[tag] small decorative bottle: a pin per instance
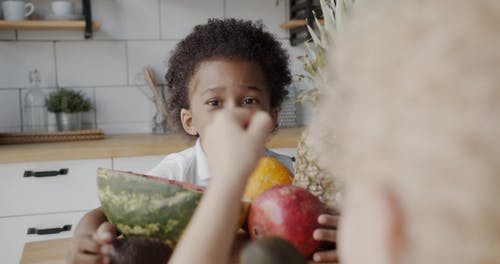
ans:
(34, 109)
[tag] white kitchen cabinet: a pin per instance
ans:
(52, 203)
(14, 231)
(45, 204)
(73, 190)
(139, 164)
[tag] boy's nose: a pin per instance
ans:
(230, 104)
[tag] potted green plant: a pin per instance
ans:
(68, 106)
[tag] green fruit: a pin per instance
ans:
(271, 250)
(140, 205)
(131, 250)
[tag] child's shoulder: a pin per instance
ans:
(182, 156)
(174, 164)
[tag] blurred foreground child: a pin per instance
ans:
(412, 126)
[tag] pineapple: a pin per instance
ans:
(308, 174)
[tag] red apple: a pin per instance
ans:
(288, 212)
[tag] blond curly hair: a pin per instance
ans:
(415, 106)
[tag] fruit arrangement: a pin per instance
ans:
(276, 208)
(152, 207)
(268, 173)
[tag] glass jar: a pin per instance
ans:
(34, 108)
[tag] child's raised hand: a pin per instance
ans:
(327, 234)
(92, 247)
(234, 140)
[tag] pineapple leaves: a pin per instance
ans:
(323, 36)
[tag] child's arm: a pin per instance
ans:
(90, 243)
(328, 234)
(235, 141)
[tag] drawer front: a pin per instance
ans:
(139, 164)
(21, 193)
(14, 231)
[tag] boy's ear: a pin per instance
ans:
(274, 115)
(187, 122)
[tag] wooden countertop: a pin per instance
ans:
(119, 146)
(45, 252)
(54, 251)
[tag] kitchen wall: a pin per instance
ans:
(107, 68)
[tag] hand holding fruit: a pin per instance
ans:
(326, 234)
(92, 247)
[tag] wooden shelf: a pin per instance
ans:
(47, 25)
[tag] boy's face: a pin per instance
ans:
(224, 83)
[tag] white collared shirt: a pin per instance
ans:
(191, 165)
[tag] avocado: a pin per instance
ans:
(139, 249)
(271, 250)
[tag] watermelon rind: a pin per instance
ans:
(141, 206)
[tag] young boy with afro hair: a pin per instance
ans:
(223, 64)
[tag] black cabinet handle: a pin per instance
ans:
(48, 231)
(29, 173)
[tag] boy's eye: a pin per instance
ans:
(250, 101)
(214, 102)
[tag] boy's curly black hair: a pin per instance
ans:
(225, 38)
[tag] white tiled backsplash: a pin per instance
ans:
(107, 68)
